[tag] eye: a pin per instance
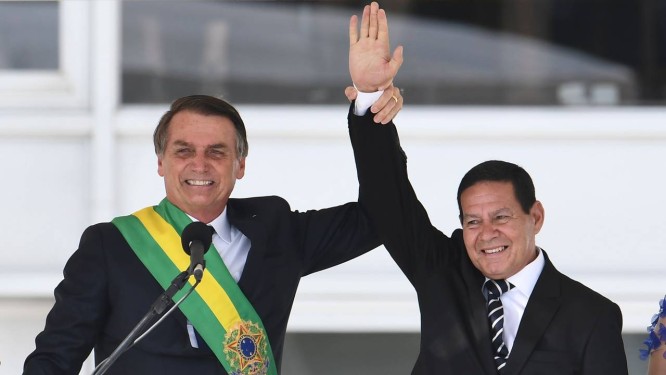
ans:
(183, 151)
(502, 219)
(472, 223)
(217, 153)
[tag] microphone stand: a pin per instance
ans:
(155, 310)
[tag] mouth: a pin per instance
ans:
(199, 182)
(495, 250)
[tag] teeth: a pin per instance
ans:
(199, 182)
(495, 250)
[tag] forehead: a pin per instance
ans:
(494, 194)
(188, 126)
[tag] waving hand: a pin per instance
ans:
(371, 65)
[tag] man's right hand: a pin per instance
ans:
(371, 66)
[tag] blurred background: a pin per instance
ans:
(574, 91)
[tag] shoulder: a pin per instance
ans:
(102, 236)
(573, 289)
(255, 205)
(272, 200)
(576, 293)
(101, 231)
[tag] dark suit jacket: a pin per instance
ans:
(566, 328)
(106, 289)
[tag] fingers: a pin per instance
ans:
(353, 30)
(382, 26)
(365, 22)
(394, 65)
(387, 106)
(374, 10)
(396, 60)
(351, 93)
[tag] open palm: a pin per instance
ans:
(371, 65)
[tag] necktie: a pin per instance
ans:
(494, 289)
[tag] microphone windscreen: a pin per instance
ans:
(196, 231)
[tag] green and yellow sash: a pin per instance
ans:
(217, 308)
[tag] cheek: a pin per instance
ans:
(470, 241)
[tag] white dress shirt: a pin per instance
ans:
(515, 300)
(365, 100)
(232, 245)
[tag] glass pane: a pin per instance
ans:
(497, 52)
(29, 35)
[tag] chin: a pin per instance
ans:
(494, 273)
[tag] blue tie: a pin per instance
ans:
(494, 289)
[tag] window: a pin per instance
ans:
(43, 53)
(29, 35)
(587, 52)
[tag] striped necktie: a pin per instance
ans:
(494, 289)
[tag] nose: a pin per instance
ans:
(199, 163)
(488, 231)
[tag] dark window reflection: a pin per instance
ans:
(29, 35)
(484, 52)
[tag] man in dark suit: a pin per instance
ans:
(262, 249)
(491, 301)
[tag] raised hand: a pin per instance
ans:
(371, 65)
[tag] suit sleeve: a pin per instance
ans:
(75, 320)
(334, 235)
(604, 353)
(388, 198)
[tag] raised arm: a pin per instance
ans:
(385, 191)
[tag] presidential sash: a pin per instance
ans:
(217, 308)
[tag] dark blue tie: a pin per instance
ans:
(494, 289)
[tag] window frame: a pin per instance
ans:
(68, 86)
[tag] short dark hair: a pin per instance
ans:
(501, 171)
(203, 105)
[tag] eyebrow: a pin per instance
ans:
(188, 144)
(470, 216)
(493, 213)
(218, 145)
(502, 209)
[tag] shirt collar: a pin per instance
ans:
(525, 280)
(221, 225)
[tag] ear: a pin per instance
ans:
(538, 215)
(160, 170)
(240, 168)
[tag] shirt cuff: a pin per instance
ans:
(365, 100)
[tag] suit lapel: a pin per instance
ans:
(477, 318)
(541, 308)
(249, 224)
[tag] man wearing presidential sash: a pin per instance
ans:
(235, 320)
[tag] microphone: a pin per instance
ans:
(196, 240)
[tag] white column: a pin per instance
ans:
(106, 67)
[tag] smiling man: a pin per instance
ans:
(491, 301)
(235, 321)
(199, 175)
(499, 226)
